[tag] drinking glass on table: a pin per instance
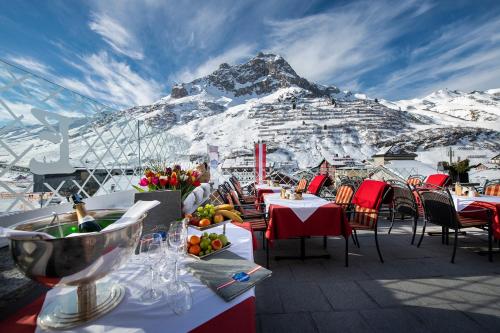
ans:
(179, 291)
(151, 249)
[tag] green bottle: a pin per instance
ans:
(86, 223)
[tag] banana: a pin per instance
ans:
(224, 207)
(230, 215)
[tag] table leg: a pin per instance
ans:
(303, 255)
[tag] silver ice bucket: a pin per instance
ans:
(76, 262)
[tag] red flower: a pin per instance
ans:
(196, 183)
(144, 182)
(163, 181)
(173, 181)
(149, 173)
(155, 180)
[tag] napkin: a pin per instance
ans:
(133, 214)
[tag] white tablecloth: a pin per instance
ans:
(302, 208)
(462, 202)
(133, 316)
(268, 187)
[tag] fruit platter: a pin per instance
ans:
(210, 216)
(206, 245)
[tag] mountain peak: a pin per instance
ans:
(262, 74)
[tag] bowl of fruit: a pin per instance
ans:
(207, 244)
(210, 216)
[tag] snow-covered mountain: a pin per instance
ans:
(265, 99)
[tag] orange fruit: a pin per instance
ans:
(218, 218)
(194, 240)
(194, 249)
(204, 223)
(216, 244)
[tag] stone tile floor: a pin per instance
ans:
(415, 290)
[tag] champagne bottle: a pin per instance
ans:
(86, 223)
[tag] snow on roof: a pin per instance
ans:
(480, 176)
(405, 168)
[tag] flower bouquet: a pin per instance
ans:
(170, 186)
(158, 177)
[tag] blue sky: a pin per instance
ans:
(130, 52)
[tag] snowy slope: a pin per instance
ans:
(238, 105)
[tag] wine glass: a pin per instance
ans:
(179, 292)
(151, 247)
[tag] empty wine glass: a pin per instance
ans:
(151, 247)
(179, 292)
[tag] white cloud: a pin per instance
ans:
(115, 82)
(463, 56)
(344, 43)
(31, 64)
(231, 56)
(119, 38)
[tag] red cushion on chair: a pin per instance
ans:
(316, 184)
(438, 179)
(370, 194)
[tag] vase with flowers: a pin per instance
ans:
(170, 186)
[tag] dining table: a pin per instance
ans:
(309, 217)
(208, 313)
(491, 202)
(264, 188)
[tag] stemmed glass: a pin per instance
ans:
(151, 247)
(180, 293)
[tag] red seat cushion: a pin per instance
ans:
(316, 184)
(438, 179)
(370, 194)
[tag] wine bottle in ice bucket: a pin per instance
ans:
(86, 223)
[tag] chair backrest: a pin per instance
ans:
(301, 186)
(236, 184)
(344, 194)
(316, 184)
(492, 187)
(403, 198)
(438, 179)
(438, 207)
(367, 201)
(415, 180)
(371, 193)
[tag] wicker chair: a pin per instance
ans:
(366, 218)
(492, 187)
(245, 198)
(403, 203)
(440, 210)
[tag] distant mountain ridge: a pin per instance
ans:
(265, 99)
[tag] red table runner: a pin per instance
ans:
(241, 316)
(327, 220)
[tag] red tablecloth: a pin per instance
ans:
(495, 209)
(241, 316)
(327, 220)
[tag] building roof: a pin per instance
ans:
(496, 157)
